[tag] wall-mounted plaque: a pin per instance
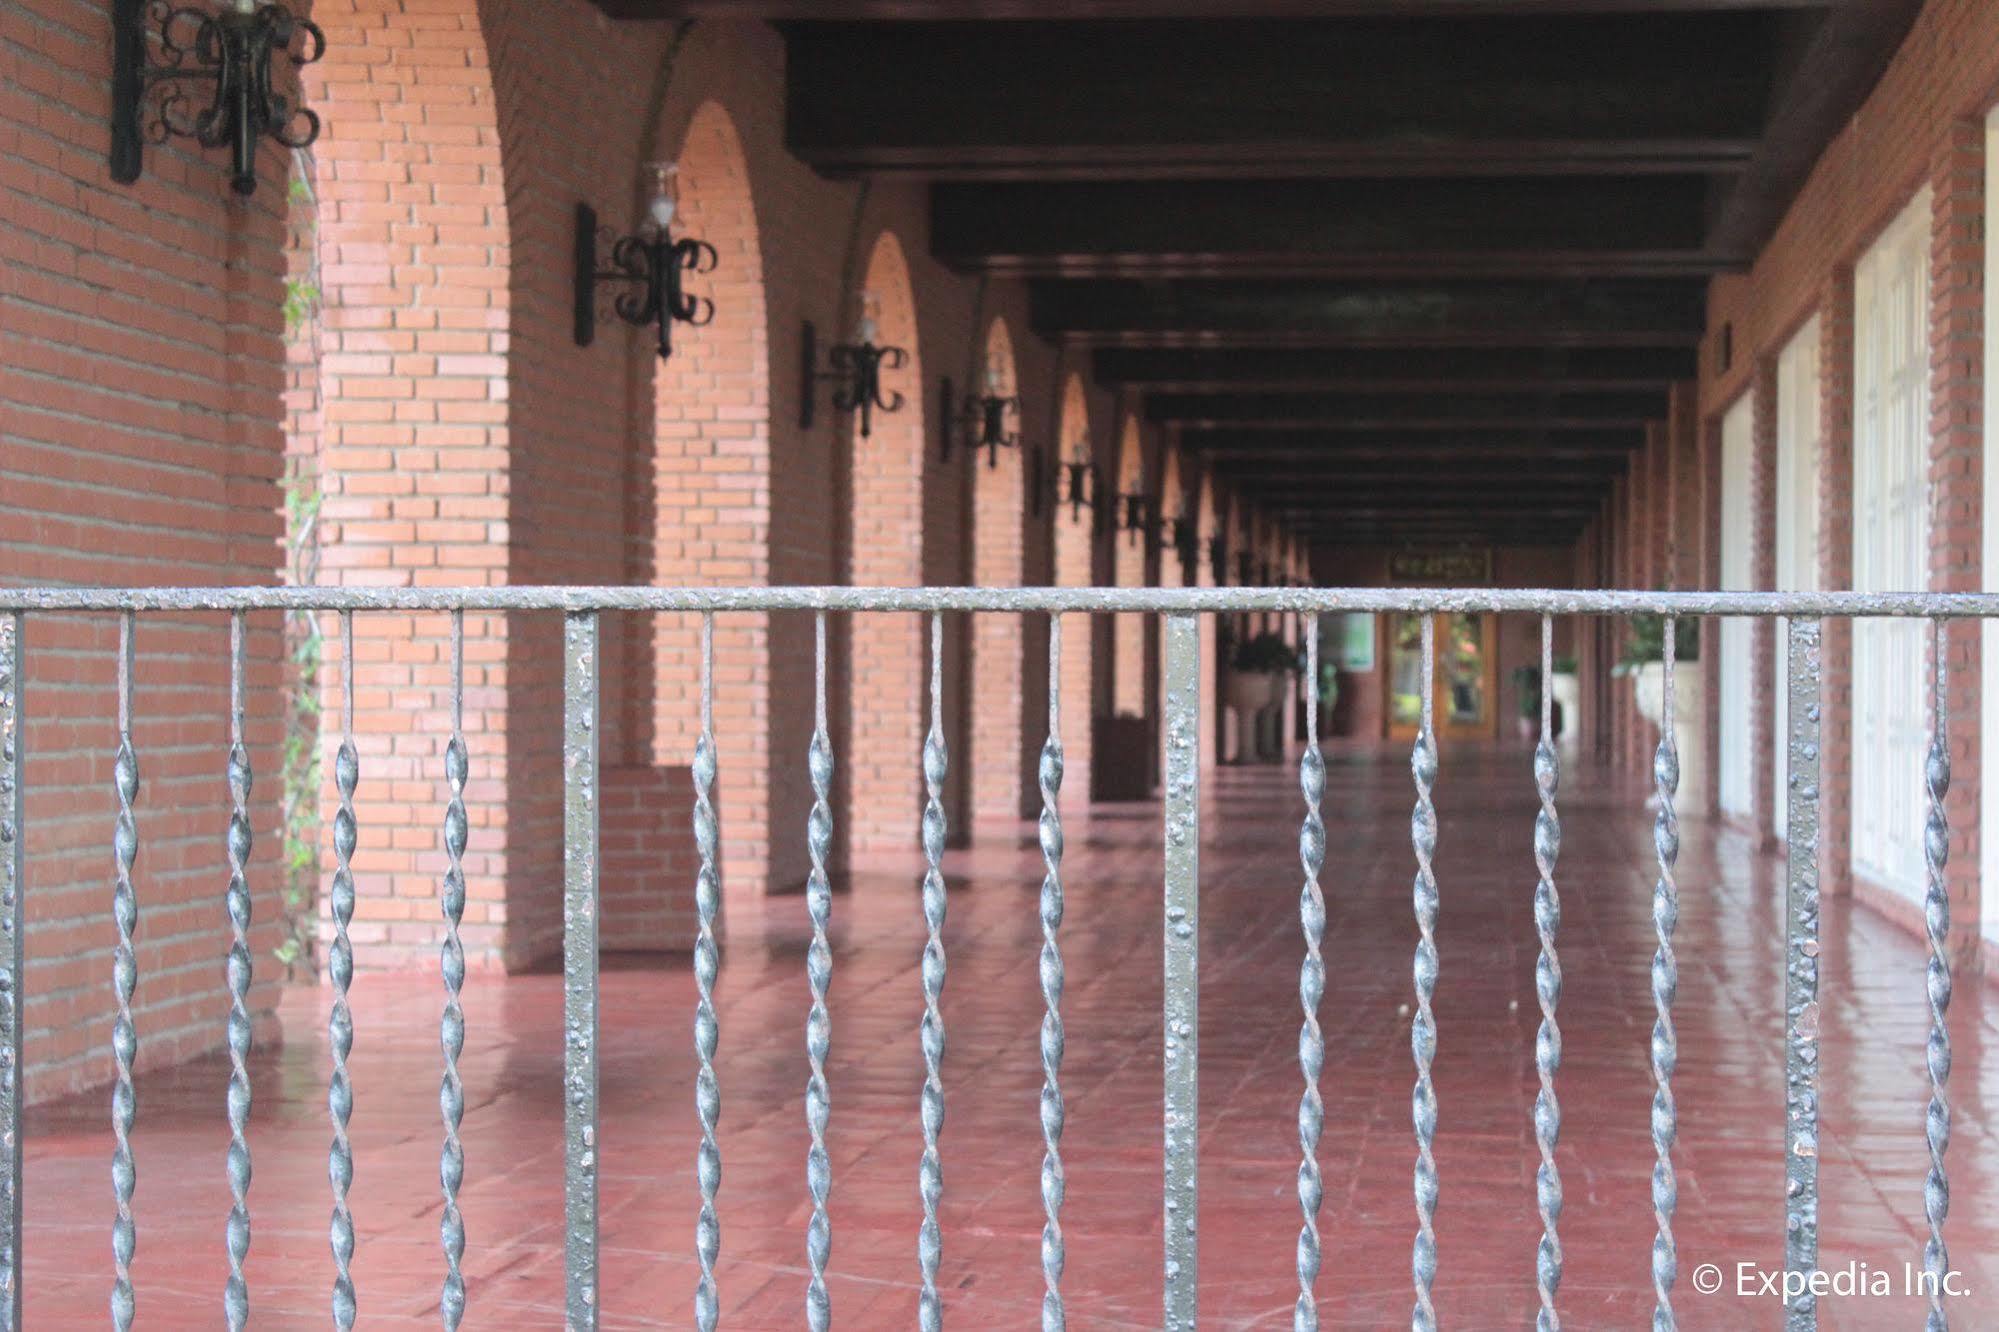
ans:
(1451, 568)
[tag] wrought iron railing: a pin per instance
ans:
(582, 609)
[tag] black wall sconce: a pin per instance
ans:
(1218, 559)
(980, 421)
(1135, 511)
(1076, 482)
(164, 53)
(854, 369)
(648, 264)
(1186, 542)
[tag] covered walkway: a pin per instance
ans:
(1730, 1088)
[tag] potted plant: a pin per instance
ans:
(1256, 679)
(1644, 661)
(1257, 667)
(1566, 703)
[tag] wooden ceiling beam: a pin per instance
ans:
(1413, 411)
(1595, 313)
(1487, 93)
(1399, 370)
(1548, 226)
(1240, 446)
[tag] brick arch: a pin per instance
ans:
(1128, 569)
(1207, 526)
(999, 543)
(887, 662)
(414, 451)
(698, 513)
(1075, 566)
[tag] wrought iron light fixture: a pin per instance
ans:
(980, 420)
(1186, 541)
(1076, 482)
(854, 369)
(648, 264)
(164, 53)
(1135, 509)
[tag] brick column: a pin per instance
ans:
(1835, 574)
(1763, 741)
(1956, 476)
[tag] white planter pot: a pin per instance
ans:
(1250, 692)
(1649, 693)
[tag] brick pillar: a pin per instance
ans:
(1763, 742)
(1956, 476)
(1835, 574)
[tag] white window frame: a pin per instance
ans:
(1891, 548)
(1735, 782)
(1797, 534)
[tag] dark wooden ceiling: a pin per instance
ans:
(1405, 271)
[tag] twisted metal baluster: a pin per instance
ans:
(236, 1293)
(819, 974)
(1311, 991)
(1936, 920)
(451, 961)
(930, 1244)
(1665, 985)
(124, 981)
(1053, 1181)
(707, 961)
(1423, 1031)
(340, 963)
(1548, 989)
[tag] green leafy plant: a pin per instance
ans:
(1527, 689)
(1645, 642)
(1265, 654)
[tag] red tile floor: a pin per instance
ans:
(1730, 1089)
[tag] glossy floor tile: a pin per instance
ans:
(1730, 1089)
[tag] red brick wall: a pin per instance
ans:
(1957, 480)
(142, 368)
(1001, 787)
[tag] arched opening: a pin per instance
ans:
(429, 451)
(886, 658)
(1128, 568)
(1171, 572)
(700, 515)
(999, 515)
(1208, 532)
(1075, 566)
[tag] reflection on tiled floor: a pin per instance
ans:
(1730, 1090)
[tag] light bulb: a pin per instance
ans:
(663, 206)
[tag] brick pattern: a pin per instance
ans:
(1957, 478)
(647, 857)
(1835, 574)
(142, 364)
(701, 505)
(1129, 559)
(1001, 788)
(887, 693)
(1076, 550)
(413, 453)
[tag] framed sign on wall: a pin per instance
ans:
(1459, 567)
